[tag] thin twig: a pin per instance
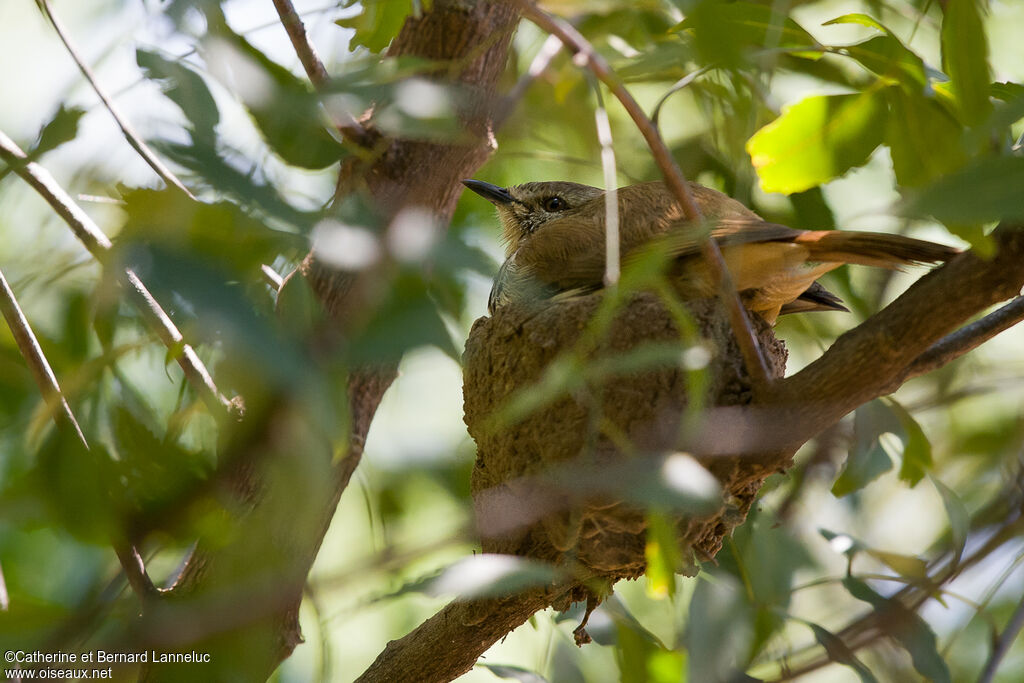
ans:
(130, 135)
(271, 277)
(5, 600)
(42, 373)
(585, 55)
(968, 337)
(346, 124)
(611, 193)
(98, 245)
(56, 402)
(1002, 646)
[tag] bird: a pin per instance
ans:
(554, 235)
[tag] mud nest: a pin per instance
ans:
(537, 483)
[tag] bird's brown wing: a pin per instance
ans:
(571, 254)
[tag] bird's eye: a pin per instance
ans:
(555, 204)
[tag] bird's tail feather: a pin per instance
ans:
(872, 248)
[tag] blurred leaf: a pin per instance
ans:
(1006, 112)
(662, 555)
(923, 137)
(917, 450)
(840, 653)
(665, 666)
(765, 557)
(514, 673)
(485, 576)
(817, 139)
(155, 472)
(77, 310)
(885, 55)
(959, 519)
(812, 211)
(676, 482)
(721, 30)
(63, 127)
(842, 543)
(867, 460)
(993, 185)
(378, 23)
(719, 629)
(905, 565)
(220, 232)
(185, 88)
(965, 58)
(907, 627)
(81, 486)
(241, 187)
(286, 111)
(406, 318)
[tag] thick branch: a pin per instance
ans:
(448, 644)
(896, 343)
(282, 532)
(967, 338)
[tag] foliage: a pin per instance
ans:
(812, 113)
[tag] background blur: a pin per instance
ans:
(407, 514)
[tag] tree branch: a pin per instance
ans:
(586, 55)
(130, 135)
(347, 125)
(97, 243)
(874, 358)
(967, 338)
(57, 403)
(447, 644)
(1002, 646)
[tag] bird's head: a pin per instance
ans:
(524, 209)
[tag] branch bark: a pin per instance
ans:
(278, 535)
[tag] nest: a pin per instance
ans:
(549, 485)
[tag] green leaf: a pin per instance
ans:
(904, 565)
(219, 232)
(662, 555)
(722, 30)
(965, 58)
(284, 107)
(378, 23)
(185, 88)
(63, 127)
(923, 137)
(959, 519)
(406, 318)
(885, 55)
(867, 460)
(719, 628)
(917, 450)
(818, 139)
(840, 653)
(907, 627)
(891, 60)
(983, 191)
(858, 18)
(80, 485)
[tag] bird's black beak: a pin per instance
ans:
(492, 193)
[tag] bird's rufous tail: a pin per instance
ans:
(872, 248)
